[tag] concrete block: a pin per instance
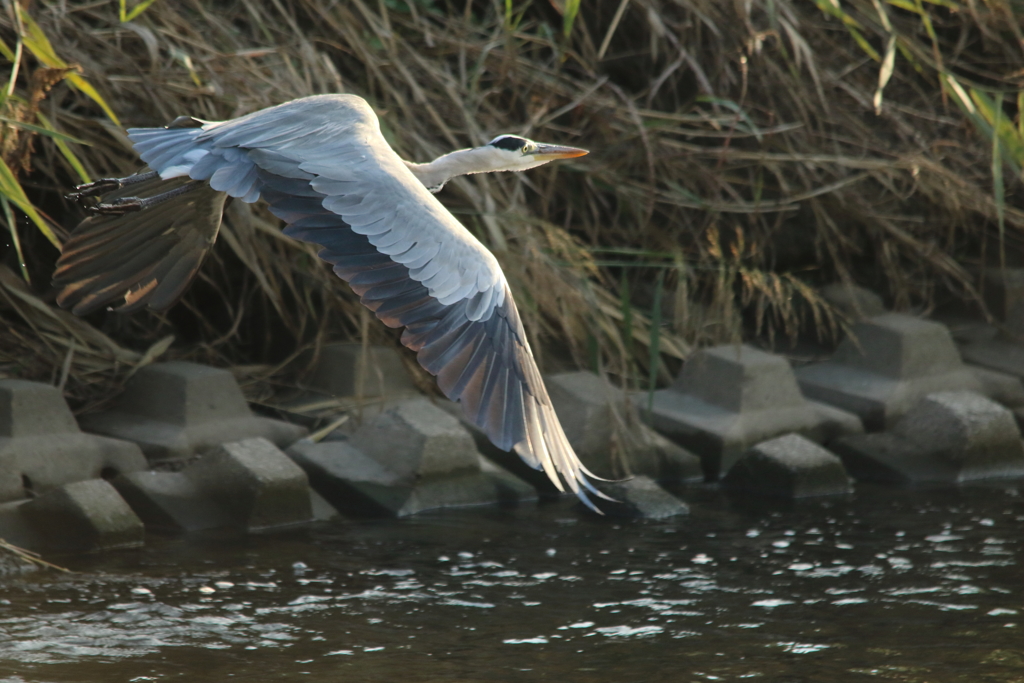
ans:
(586, 406)
(639, 497)
(890, 362)
(177, 409)
(999, 386)
(41, 446)
(789, 466)
(856, 303)
(322, 509)
(729, 398)
(998, 354)
(411, 458)
(603, 430)
(33, 409)
(648, 452)
(949, 437)
(258, 484)
(14, 528)
(968, 330)
(341, 369)
(170, 501)
(83, 516)
(1004, 295)
(417, 440)
(248, 485)
(506, 460)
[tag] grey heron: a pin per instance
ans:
(324, 168)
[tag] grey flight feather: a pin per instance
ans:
(323, 166)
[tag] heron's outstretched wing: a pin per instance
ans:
(144, 258)
(478, 352)
(325, 169)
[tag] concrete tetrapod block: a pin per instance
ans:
(730, 397)
(999, 386)
(649, 452)
(592, 413)
(342, 369)
(639, 497)
(80, 517)
(856, 303)
(174, 410)
(41, 446)
(1004, 296)
(507, 461)
(170, 501)
(951, 437)
(248, 485)
(789, 466)
(888, 364)
(1001, 355)
(11, 565)
(411, 458)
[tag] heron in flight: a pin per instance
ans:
(324, 168)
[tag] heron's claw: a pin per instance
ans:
(118, 207)
(96, 188)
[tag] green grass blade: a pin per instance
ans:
(859, 38)
(92, 94)
(42, 130)
(12, 227)
(737, 109)
(1020, 119)
(627, 311)
(572, 8)
(7, 52)
(70, 156)
(136, 11)
(11, 189)
(15, 59)
(655, 343)
(998, 188)
(831, 7)
(1012, 142)
(39, 45)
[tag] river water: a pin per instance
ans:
(886, 585)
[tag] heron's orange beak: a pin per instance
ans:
(551, 152)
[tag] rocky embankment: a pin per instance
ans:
(902, 400)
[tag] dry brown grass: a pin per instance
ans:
(738, 160)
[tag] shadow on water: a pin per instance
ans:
(889, 585)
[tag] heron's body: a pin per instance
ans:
(324, 168)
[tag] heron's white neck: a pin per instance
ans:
(436, 173)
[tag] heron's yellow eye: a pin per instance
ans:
(529, 148)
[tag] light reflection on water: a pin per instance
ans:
(888, 585)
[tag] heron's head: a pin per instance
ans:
(515, 153)
(503, 153)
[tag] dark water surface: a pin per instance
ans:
(888, 585)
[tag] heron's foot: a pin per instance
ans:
(118, 207)
(104, 185)
(93, 189)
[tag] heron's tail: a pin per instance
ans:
(142, 258)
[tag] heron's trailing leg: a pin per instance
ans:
(104, 185)
(124, 205)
